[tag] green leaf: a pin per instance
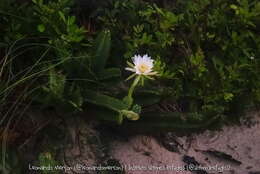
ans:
(137, 109)
(41, 28)
(46, 159)
(62, 16)
(102, 50)
(71, 20)
(56, 84)
(228, 96)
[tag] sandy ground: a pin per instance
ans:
(233, 150)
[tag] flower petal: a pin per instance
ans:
(142, 65)
(130, 77)
(130, 69)
(130, 64)
(152, 73)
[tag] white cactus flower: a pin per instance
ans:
(143, 65)
(252, 57)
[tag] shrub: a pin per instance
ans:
(56, 55)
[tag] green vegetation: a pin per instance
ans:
(65, 57)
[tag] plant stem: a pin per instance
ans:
(131, 90)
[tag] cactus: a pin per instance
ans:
(102, 49)
(104, 101)
(167, 122)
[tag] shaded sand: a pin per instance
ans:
(234, 149)
(231, 150)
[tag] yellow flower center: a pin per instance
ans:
(143, 68)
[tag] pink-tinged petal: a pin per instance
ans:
(136, 59)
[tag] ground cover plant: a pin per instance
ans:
(192, 64)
